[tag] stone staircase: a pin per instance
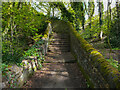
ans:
(60, 43)
(59, 49)
(60, 69)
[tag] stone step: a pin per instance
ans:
(62, 38)
(60, 35)
(59, 48)
(53, 67)
(60, 61)
(55, 59)
(56, 53)
(59, 56)
(59, 51)
(59, 39)
(59, 45)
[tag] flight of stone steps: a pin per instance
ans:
(59, 49)
(59, 69)
(60, 43)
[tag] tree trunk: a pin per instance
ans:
(53, 11)
(90, 23)
(109, 22)
(100, 19)
(90, 28)
(83, 16)
(12, 23)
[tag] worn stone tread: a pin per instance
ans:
(63, 57)
(57, 75)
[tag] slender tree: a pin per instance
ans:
(83, 16)
(100, 4)
(108, 25)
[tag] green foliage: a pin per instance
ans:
(114, 63)
(115, 33)
(4, 69)
(22, 25)
(9, 58)
(79, 14)
(109, 26)
(95, 29)
(33, 51)
(66, 14)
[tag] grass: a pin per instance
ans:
(114, 63)
(115, 48)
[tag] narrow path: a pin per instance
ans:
(60, 69)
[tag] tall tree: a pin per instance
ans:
(83, 15)
(108, 25)
(100, 9)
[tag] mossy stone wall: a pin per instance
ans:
(99, 72)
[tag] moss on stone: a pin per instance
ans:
(88, 48)
(97, 58)
(95, 52)
(105, 68)
(91, 85)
